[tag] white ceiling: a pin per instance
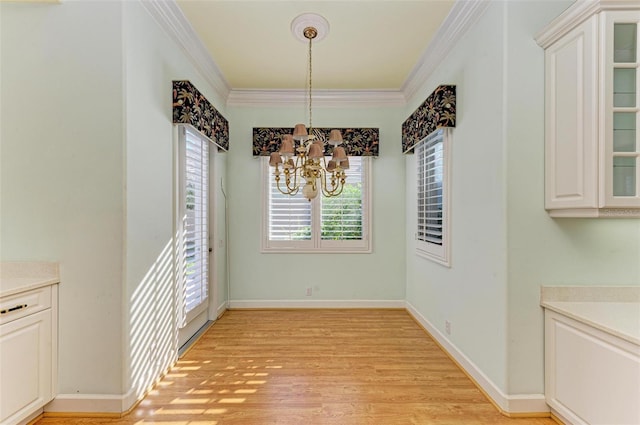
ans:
(372, 44)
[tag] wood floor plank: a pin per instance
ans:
(304, 367)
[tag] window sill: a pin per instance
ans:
(306, 250)
(433, 257)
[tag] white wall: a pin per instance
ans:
(62, 172)
(337, 277)
(152, 61)
(505, 246)
(471, 294)
(88, 180)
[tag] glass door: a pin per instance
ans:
(623, 159)
(193, 233)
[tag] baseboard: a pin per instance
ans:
(221, 309)
(285, 304)
(102, 404)
(559, 418)
(131, 399)
(32, 418)
(92, 405)
(521, 405)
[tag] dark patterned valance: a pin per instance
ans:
(191, 107)
(439, 110)
(357, 141)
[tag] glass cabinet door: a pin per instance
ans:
(625, 153)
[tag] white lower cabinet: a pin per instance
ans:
(27, 354)
(591, 377)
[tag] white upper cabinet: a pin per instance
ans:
(592, 110)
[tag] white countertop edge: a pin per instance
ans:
(17, 285)
(20, 276)
(590, 293)
(621, 330)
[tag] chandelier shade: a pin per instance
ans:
(300, 132)
(315, 151)
(339, 154)
(335, 137)
(275, 159)
(286, 148)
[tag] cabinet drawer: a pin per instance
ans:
(20, 305)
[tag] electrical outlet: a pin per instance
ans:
(447, 327)
(309, 291)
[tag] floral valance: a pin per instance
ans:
(437, 111)
(191, 107)
(357, 141)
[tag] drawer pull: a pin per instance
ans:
(9, 310)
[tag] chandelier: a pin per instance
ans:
(301, 159)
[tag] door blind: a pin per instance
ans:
(195, 228)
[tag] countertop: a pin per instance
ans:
(615, 310)
(16, 277)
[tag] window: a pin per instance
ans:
(432, 237)
(192, 224)
(336, 224)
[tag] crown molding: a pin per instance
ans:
(170, 18)
(462, 16)
(577, 13)
(321, 98)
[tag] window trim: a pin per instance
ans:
(316, 245)
(440, 254)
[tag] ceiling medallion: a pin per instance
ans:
(309, 20)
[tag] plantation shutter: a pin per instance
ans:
(195, 228)
(289, 216)
(333, 224)
(342, 215)
(430, 175)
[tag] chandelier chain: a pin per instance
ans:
(310, 85)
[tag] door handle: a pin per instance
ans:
(9, 310)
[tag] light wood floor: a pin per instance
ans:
(302, 367)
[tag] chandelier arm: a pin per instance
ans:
(290, 191)
(341, 184)
(297, 165)
(323, 186)
(292, 186)
(331, 193)
(335, 190)
(323, 175)
(298, 169)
